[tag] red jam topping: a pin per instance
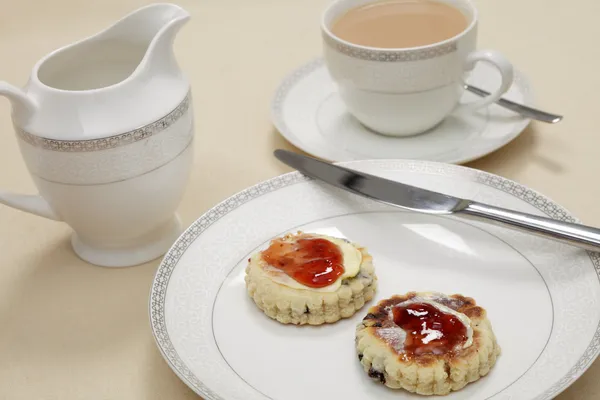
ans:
(313, 262)
(429, 330)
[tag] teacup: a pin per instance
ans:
(407, 91)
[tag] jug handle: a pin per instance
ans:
(24, 106)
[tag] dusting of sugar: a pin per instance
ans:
(393, 336)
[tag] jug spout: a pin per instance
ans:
(160, 55)
(155, 26)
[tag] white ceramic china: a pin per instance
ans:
(542, 297)
(308, 111)
(401, 92)
(105, 127)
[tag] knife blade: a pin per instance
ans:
(426, 201)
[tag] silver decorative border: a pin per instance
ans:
(169, 262)
(111, 142)
(382, 55)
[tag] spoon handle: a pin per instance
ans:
(519, 108)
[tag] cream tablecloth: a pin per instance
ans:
(69, 330)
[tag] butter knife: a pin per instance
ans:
(426, 201)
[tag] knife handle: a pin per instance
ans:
(582, 236)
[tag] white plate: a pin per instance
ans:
(308, 112)
(542, 297)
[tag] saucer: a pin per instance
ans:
(309, 113)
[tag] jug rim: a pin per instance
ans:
(97, 36)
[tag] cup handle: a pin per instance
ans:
(37, 205)
(502, 65)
